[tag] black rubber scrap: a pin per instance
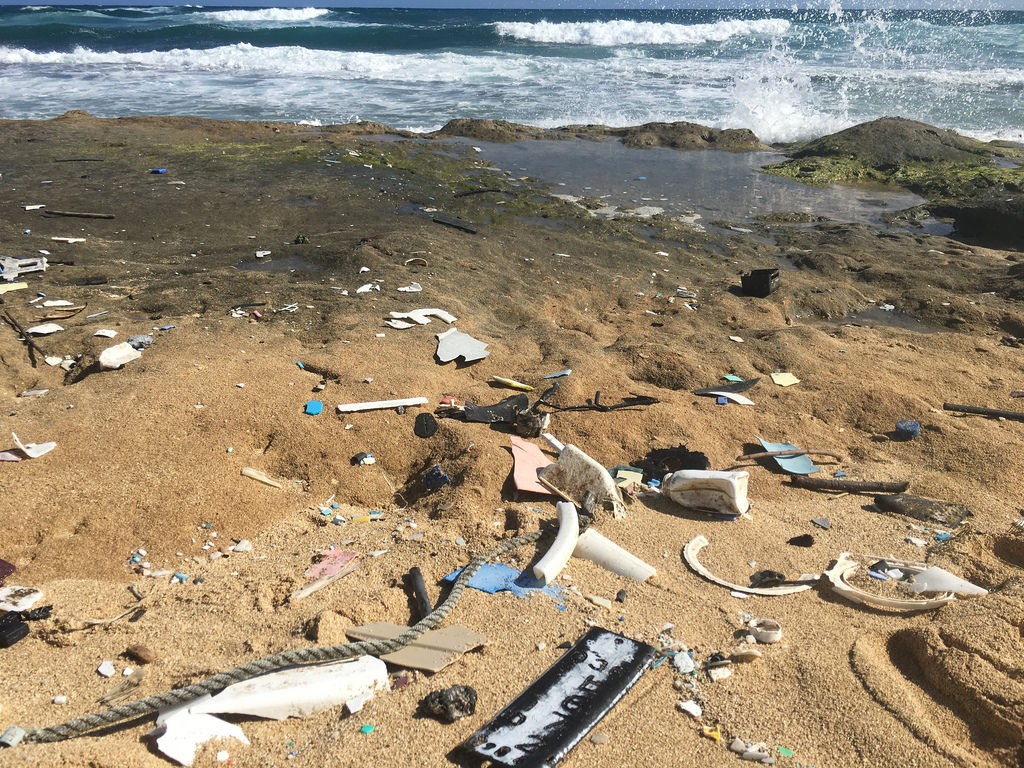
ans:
(450, 704)
(425, 425)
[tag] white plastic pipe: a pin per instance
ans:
(380, 404)
(556, 444)
(554, 560)
(592, 545)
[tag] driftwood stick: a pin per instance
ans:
(79, 214)
(795, 452)
(848, 486)
(32, 346)
(979, 411)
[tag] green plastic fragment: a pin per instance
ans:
(368, 728)
(732, 377)
(786, 751)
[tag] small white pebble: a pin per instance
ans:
(223, 756)
(128, 671)
(60, 699)
(106, 669)
(541, 646)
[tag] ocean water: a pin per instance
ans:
(785, 74)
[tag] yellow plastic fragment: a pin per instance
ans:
(713, 733)
(256, 474)
(511, 383)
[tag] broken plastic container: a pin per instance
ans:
(114, 357)
(713, 491)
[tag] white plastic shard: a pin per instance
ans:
(11, 267)
(179, 733)
(707, 490)
(846, 565)
(45, 329)
(575, 473)
(937, 579)
(453, 343)
(398, 325)
(33, 450)
(692, 550)
(376, 405)
(736, 397)
(114, 357)
(260, 476)
(554, 560)
(422, 316)
(592, 545)
(299, 691)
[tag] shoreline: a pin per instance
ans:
(149, 455)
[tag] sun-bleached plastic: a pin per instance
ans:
(698, 543)
(377, 405)
(117, 355)
(554, 560)
(708, 490)
(594, 546)
(937, 579)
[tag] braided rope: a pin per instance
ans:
(177, 696)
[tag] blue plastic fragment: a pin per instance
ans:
(907, 429)
(158, 170)
(721, 400)
(498, 577)
(839, 473)
(299, 363)
(654, 483)
(943, 536)
(795, 465)
(167, 327)
(559, 374)
(877, 575)
(435, 478)
(732, 377)
(314, 407)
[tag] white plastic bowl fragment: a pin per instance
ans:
(698, 543)
(845, 567)
(292, 692)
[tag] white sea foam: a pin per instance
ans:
(777, 95)
(260, 15)
(624, 32)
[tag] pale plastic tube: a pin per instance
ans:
(554, 560)
(594, 546)
(380, 404)
(556, 444)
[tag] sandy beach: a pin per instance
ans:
(241, 248)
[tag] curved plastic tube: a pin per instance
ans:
(592, 545)
(693, 549)
(846, 565)
(558, 555)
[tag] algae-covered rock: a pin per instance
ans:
(891, 141)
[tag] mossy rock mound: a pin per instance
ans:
(682, 135)
(498, 131)
(891, 142)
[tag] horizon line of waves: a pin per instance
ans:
(624, 32)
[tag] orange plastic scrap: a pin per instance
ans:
(713, 733)
(527, 461)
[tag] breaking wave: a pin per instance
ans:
(266, 15)
(624, 32)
